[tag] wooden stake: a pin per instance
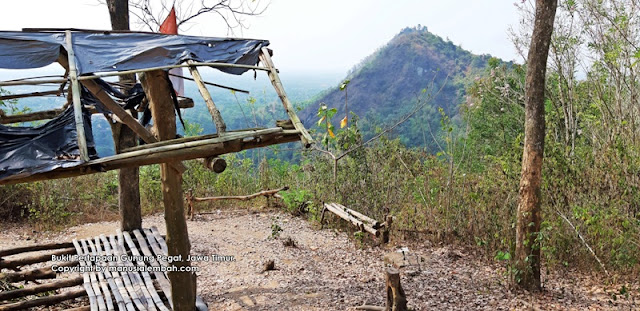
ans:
(77, 104)
(396, 299)
(277, 84)
(213, 110)
(183, 289)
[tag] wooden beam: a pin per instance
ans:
(183, 284)
(213, 110)
(277, 84)
(33, 82)
(77, 104)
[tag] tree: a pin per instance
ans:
(232, 12)
(124, 137)
(529, 215)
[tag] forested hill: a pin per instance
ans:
(387, 84)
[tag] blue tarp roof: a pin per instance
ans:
(117, 51)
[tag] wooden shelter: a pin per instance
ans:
(89, 56)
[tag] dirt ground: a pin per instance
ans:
(327, 270)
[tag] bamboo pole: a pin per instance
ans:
(277, 84)
(161, 155)
(32, 94)
(212, 84)
(125, 72)
(37, 82)
(213, 110)
(340, 212)
(77, 104)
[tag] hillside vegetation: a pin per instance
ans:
(387, 84)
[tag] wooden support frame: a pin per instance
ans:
(77, 104)
(213, 110)
(265, 58)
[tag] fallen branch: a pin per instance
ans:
(584, 242)
(242, 197)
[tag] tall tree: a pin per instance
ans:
(124, 137)
(529, 215)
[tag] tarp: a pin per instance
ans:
(112, 51)
(26, 151)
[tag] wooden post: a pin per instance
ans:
(213, 110)
(190, 210)
(183, 288)
(387, 229)
(396, 299)
(77, 104)
(277, 84)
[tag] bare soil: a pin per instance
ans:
(329, 270)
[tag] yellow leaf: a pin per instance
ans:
(331, 134)
(343, 123)
(321, 119)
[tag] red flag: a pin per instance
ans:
(170, 26)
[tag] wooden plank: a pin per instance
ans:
(126, 276)
(213, 110)
(95, 284)
(137, 278)
(77, 104)
(277, 84)
(115, 290)
(44, 301)
(148, 282)
(159, 238)
(86, 279)
(101, 275)
(160, 276)
(118, 277)
(350, 218)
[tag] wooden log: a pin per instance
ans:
(213, 110)
(33, 82)
(183, 291)
(365, 219)
(156, 156)
(215, 164)
(38, 115)
(77, 104)
(28, 260)
(83, 308)
(242, 197)
(265, 58)
(396, 298)
(44, 301)
(34, 248)
(23, 292)
(32, 275)
(340, 212)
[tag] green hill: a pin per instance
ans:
(387, 84)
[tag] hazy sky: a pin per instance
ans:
(328, 36)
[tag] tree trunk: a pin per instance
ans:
(157, 87)
(124, 137)
(529, 215)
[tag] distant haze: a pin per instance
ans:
(308, 37)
